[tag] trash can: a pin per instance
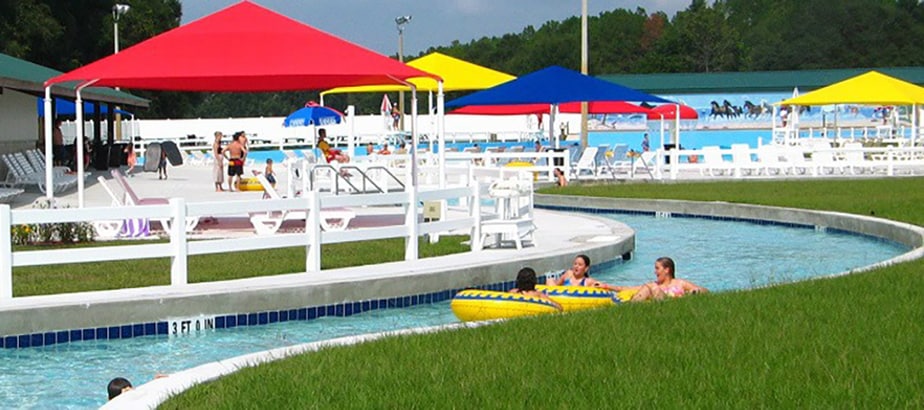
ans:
(558, 162)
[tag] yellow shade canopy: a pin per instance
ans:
(457, 75)
(872, 88)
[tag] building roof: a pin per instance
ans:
(752, 81)
(29, 77)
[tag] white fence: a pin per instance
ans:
(179, 247)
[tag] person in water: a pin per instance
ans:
(578, 275)
(665, 285)
(526, 285)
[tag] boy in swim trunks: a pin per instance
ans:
(235, 154)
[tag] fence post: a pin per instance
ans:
(475, 211)
(413, 231)
(313, 230)
(6, 255)
(178, 241)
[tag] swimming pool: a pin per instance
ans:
(721, 255)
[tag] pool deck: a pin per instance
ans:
(560, 236)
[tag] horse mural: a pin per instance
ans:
(731, 111)
(753, 111)
(717, 110)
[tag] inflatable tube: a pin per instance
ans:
(626, 295)
(473, 304)
(573, 298)
(251, 184)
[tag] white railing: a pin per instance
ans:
(817, 161)
(180, 248)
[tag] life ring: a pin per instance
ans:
(573, 298)
(250, 184)
(474, 304)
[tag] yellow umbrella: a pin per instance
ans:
(456, 74)
(872, 88)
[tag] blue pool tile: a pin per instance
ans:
(293, 314)
(76, 335)
(322, 311)
(126, 332)
(115, 332)
(10, 342)
(273, 316)
(88, 334)
(50, 338)
(36, 339)
(331, 310)
(283, 316)
(407, 301)
(374, 304)
(357, 307)
(150, 328)
(367, 306)
(251, 319)
(162, 328)
(338, 310)
(307, 313)
(2, 340)
(416, 300)
(262, 318)
(242, 319)
(138, 330)
(220, 322)
(24, 341)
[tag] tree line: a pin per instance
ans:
(717, 36)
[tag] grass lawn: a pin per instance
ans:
(849, 342)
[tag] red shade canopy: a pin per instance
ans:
(596, 107)
(242, 48)
(669, 112)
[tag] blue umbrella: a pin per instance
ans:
(313, 114)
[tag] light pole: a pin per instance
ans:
(584, 50)
(401, 21)
(118, 11)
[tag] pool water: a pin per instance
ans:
(693, 139)
(720, 255)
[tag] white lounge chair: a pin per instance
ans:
(585, 162)
(713, 164)
(855, 159)
(795, 160)
(741, 160)
(620, 159)
(824, 161)
(21, 173)
(770, 159)
(131, 228)
(268, 223)
(132, 199)
(8, 194)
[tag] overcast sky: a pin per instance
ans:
(371, 23)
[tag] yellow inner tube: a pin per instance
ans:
(473, 304)
(250, 184)
(573, 298)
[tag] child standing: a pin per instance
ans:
(162, 165)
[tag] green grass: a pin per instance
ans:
(894, 198)
(81, 277)
(849, 342)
